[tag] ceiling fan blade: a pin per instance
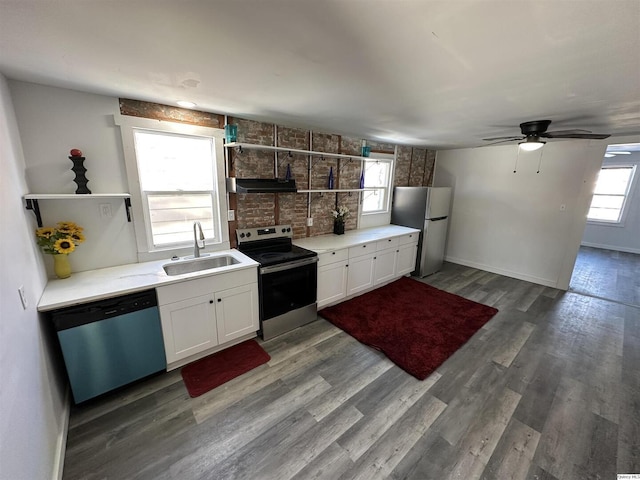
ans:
(519, 137)
(566, 132)
(512, 139)
(576, 134)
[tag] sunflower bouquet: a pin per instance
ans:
(61, 239)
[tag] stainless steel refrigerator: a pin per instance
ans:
(426, 208)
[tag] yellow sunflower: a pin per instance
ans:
(64, 245)
(68, 227)
(77, 237)
(45, 232)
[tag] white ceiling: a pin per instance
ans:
(441, 74)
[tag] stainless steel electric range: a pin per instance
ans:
(287, 278)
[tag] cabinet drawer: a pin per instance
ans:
(205, 285)
(328, 258)
(362, 249)
(408, 238)
(386, 243)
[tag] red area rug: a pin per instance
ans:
(212, 371)
(414, 324)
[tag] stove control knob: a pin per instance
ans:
(284, 230)
(248, 234)
(242, 235)
(288, 229)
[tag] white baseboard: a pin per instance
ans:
(611, 247)
(61, 447)
(507, 273)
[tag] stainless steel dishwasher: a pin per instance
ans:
(109, 343)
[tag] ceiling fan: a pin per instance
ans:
(534, 131)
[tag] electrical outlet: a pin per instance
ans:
(23, 297)
(309, 222)
(105, 210)
(231, 215)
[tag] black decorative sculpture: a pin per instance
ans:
(78, 168)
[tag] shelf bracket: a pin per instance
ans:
(35, 208)
(289, 155)
(344, 165)
(127, 208)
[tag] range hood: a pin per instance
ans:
(260, 185)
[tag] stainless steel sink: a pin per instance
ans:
(199, 264)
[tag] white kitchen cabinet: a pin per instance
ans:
(188, 327)
(208, 314)
(360, 276)
(407, 251)
(384, 266)
(332, 277)
(385, 260)
(406, 259)
(237, 312)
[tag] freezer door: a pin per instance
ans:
(433, 246)
(438, 202)
(409, 206)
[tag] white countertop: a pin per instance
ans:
(83, 287)
(351, 238)
(109, 282)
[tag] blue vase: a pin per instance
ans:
(330, 185)
(362, 179)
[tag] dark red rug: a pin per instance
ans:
(414, 324)
(212, 371)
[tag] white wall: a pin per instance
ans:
(33, 412)
(52, 121)
(624, 237)
(515, 224)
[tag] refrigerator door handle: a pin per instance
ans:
(436, 219)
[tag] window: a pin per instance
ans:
(176, 178)
(610, 195)
(177, 185)
(377, 174)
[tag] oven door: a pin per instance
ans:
(287, 286)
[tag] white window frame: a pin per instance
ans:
(625, 201)
(379, 217)
(387, 188)
(144, 240)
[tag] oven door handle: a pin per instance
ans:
(288, 265)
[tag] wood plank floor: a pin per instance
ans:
(607, 274)
(548, 389)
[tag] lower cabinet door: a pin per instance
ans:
(188, 327)
(360, 274)
(237, 312)
(406, 261)
(332, 283)
(385, 266)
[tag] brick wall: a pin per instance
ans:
(414, 167)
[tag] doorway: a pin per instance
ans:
(608, 262)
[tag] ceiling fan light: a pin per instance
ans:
(186, 104)
(530, 144)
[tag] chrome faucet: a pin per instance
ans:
(196, 245)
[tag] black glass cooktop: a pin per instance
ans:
(275, 254)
